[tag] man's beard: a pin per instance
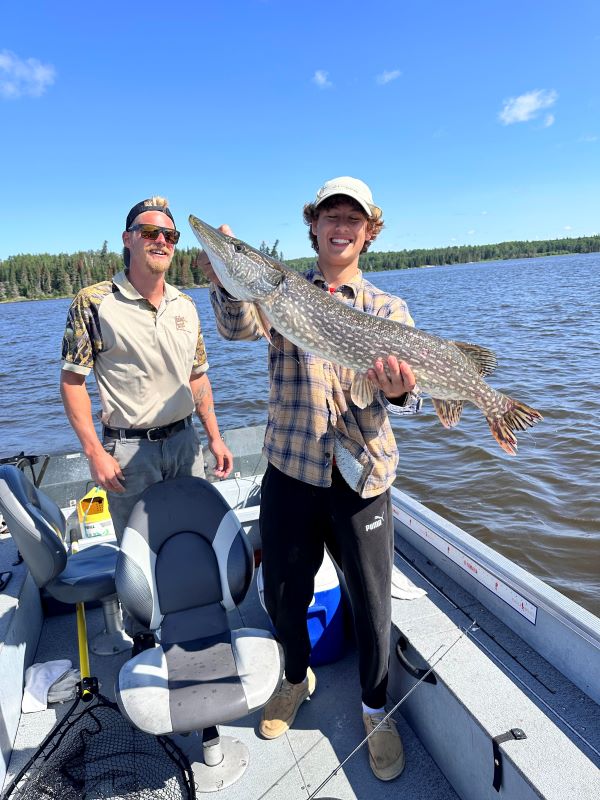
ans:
(160, 267)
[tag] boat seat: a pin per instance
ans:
(38, 526)
(185, 563)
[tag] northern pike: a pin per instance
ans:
(450, 372)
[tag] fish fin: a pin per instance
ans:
(362, 390)
(260, 320)
(484, 359)
(448, 411)
(517, 416)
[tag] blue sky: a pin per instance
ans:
(472, 122)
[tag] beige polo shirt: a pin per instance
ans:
(142, 357)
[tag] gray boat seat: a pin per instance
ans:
(185, 563)
(37, 526)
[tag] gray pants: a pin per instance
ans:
(144, 463)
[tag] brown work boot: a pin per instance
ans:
(386, 754)
(281, 710)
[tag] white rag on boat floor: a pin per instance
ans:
(403, 588)
(65, 688)
(38, 680)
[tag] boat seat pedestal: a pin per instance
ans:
(112, 639)
(217, 761)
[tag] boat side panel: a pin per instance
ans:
(564, 633)
(21, 626)
(475, 699)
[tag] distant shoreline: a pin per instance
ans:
(184, 268)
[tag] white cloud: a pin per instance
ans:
(472, 232)
(19, 77)
(321, 78)
(549, 120)
(568, 228)
(527, 106)
(588, 138)
(387, 76)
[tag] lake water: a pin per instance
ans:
(542, 318)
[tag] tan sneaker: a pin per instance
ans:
(280, 712)
(386, 754)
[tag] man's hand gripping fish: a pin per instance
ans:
(450, 372)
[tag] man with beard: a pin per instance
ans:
(142, 339)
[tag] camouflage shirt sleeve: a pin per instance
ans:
(200, 364)
(82, 338)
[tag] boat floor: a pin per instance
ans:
(493, 672)
(327, 728)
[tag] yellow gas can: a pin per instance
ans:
(94, 517)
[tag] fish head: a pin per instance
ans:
(246, 273)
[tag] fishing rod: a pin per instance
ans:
(332, 774)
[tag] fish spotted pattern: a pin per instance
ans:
(450, 372)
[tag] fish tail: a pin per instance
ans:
(514, 416)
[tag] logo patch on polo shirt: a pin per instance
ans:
(180, 323)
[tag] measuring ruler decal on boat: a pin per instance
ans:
(492, 582)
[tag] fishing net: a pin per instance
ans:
(95, 754)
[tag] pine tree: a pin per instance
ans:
(63, 282)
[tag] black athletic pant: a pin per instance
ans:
(296, 521)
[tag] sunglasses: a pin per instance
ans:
(154, 231)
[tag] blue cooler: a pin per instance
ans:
(325, 617)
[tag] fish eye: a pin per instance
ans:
(239, 247)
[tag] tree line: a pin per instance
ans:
(465, 254)
(31, 277)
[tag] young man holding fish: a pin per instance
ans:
(331, 464)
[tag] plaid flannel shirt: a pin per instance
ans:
(311, 419)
